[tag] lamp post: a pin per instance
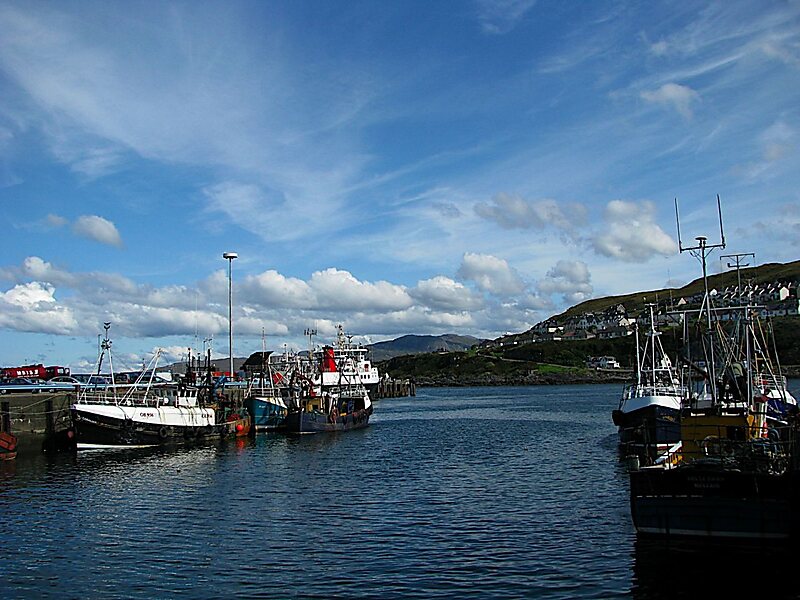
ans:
(230, 256)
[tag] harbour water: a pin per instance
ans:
(454, 493)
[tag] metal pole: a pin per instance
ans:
(230, 256)
(230, 312)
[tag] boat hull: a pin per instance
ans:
(700, 502)
(8, 446)
(109, 426)
(267, 414)
(317, 422)
(651, 425)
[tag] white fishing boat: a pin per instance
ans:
(649, 411)
(142, 414)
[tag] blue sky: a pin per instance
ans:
(397, 167)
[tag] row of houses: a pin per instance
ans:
(776, 299)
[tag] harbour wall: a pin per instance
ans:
(36, 419)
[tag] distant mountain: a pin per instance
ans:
(419, 344)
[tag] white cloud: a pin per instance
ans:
(676, 96)
(570, 278)
(34, 267)
(490, 274)
(136, 320)
(97, 229)
(271, 289)
(514, 212)
(340, 289)
(33, 307)
(55, 221)
(30, 295)
(445, 294)
(631, 234)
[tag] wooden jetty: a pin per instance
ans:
(396, 388)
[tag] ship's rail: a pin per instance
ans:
(635, 390)
(770, 450)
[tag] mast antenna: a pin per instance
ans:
(701, 251)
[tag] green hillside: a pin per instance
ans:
(556, 362)
(635, 302)
(518, 360)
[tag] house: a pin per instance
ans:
(602, 362)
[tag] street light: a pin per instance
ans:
(230, 256)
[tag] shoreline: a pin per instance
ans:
(589, 377)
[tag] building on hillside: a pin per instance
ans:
(602, 362)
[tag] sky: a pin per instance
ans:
(399, 168)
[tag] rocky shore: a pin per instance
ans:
(556, 378)
(575, 377)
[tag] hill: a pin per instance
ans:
(515, 359)
(635, 302)
(417, 344)
(552, 362)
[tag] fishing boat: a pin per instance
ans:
(734, 473)
(335, 410)
(341, 405)
(344, 359)
(265, 400)
(144, 414)
(648, 416)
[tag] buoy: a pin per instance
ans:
(239, 427)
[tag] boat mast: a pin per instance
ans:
(638, 359)
(653, 346)
(702, 251)
(749, 332)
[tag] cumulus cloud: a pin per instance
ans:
(338, 289)
(33, 307)
(270, 302)
(98, 229)
(631, 234)
(34, 267)
(514, 212)
(570, 278)
(490, 274)
(676, 96)
(270, 288)
(446, 294)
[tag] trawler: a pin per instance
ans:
(734, 473)
(149, 413)
(648, 416)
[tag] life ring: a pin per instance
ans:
(163, 433)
